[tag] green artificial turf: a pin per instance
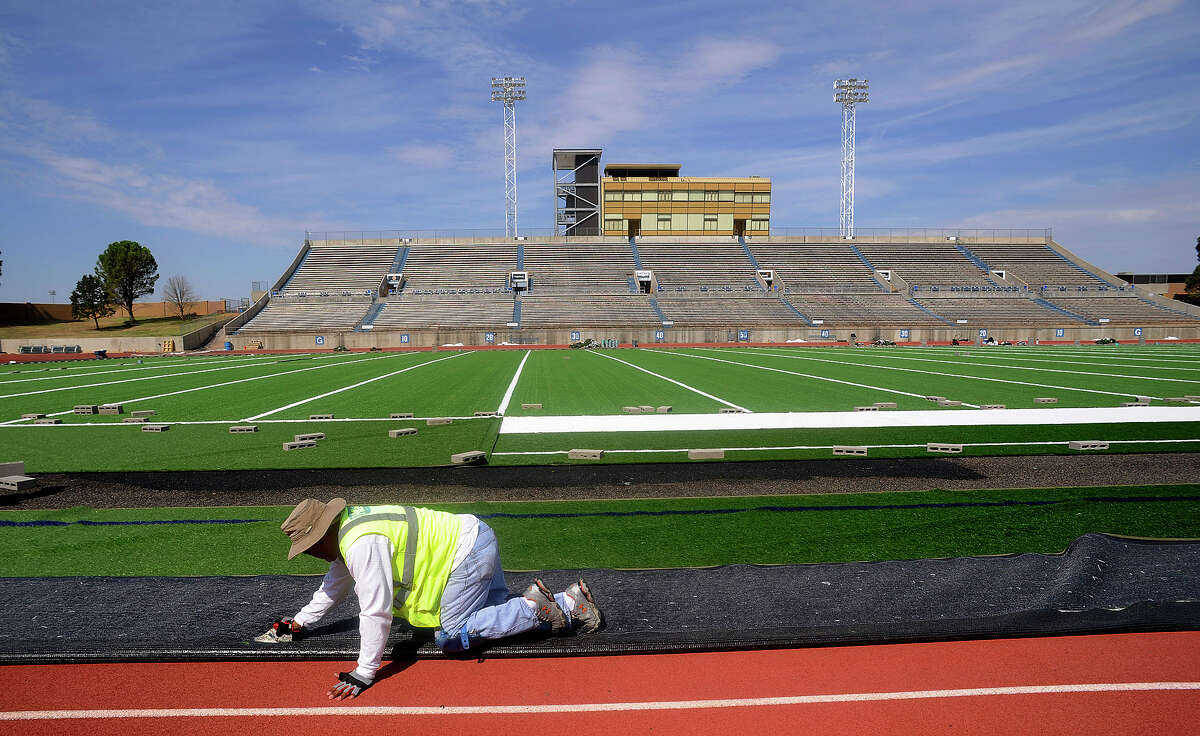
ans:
(665, 532)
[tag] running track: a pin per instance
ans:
(1027, 686)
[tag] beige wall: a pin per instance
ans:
(13, 313)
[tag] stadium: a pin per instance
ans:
(903, 480)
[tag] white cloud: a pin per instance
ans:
(423, 155)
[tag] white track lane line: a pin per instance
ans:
(802, 375)
(512, 385)
(460, 710)
(931, 373)
(353, 386)
(1059, 443)
(205, 388)
(672, 380)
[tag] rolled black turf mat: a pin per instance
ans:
(1101, 584)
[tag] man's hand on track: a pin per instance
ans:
(347, 686)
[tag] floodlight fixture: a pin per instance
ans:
(848, 93)
(509, 90)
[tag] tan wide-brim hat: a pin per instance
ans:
(309, 521)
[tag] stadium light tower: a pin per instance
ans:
(848, 92)
(509, 90)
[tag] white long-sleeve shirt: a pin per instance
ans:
(368, 569)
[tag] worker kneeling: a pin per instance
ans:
(437, 570)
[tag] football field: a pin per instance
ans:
(753, 403)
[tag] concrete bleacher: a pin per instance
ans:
(484, 310)
(334, 269)
(921, 264)
(993, 311)
(859, 309)
(586, 310)
(697, 266)
(434, 267)
(815, 266)
(1120, 310)
(597, 268)
(732, 310)
(1037, 265)
(306, 315)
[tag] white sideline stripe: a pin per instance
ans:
(205, 388)
(512, 385)
(459, 710)
(830, 447)
(353, 386)
(8, 425)
(932, 373)
(802, 375)
(183, 364)
(847, 419)
(672, 380)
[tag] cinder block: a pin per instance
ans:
(1133, 403)
(1045, 400)
(33, 416)
(320, 416)
(47, 421)
(866, 408)
(402, 432)
(299, 445)
(401, 415)
(706, 454)
(849, 450)
(646, 409)
(487, 413)
(943, 447)
(1177, 399)
(585, 454)
(134, 420)
(885, 404)
(243, 428)
(310, 437)
(433, 421)
(155, 427)
(17, 483)
(949, 402)
(1191, 397)
(663, 410)
(531, 406)
(991, 406)
(935, 398)
(142, 413)
(86, 409)
(1087, 445)
(631, 409)
(112, 409)
(732, 410)
(469, 457)
(16, 467)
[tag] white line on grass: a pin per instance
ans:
(135, 425)
(353, 386)
(930, 373)
(182, 364)
(870, 447)
(999, 354)
(512, 385)
(672, 380)
(343, 711)
(213, 385)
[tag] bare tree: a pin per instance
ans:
(179, 292)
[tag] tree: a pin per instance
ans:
(91, 299)
(129, 271)
(179, 293)
(1192, 285)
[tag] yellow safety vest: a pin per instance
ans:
(421, 562)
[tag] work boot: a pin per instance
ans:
(587, 614)
(547, 609)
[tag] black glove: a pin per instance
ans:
(348, 686)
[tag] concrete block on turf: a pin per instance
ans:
(663, 410)
(407, 431)
(1045, 400)
(991, 406)
(1191, 397)
(44, 420)
(135, 420)
(849, 450)
(579, 454)
(631, 409)
(155, 427)
(320, 416)
(943, 447)
(732, 410)
(949, 402)
(111, 409)
(309, 437)
(434, 421)
(1087, 445)
(885, 404)
(401, 415)
(34, 415)
(531, 406)
(935, 398)
(17, 483)
(15, 467)
(866, 408)
(1177, 399)
(243, 428)
(299, 445)
(1133, 403)
(142, 413)
(469, 458)
(487, 413)
(646, 409)
(86, 409)
(712, 454)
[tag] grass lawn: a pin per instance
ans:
(111, 327)
(622, 534)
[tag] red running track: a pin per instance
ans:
(435, 692)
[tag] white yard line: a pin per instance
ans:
(353, 386)
(1002, 354)
(182, 364)
(210, 386)
(693, 389)
(1059, 443)
(512, 385)
(930, 373)
(847, 419)
(227, 422)
(391, 711)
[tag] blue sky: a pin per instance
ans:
(216, 132)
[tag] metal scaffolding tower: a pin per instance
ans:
(848, 92)
(509, 90)
(577, 186)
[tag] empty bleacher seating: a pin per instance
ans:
(334, 269)
(595, 268)
(697, 266)
(924, 263)
(816, 266)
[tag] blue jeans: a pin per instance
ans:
(476, 604)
